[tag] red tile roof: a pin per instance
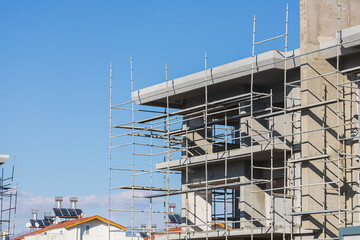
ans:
(69, 224)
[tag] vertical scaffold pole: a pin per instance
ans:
(285, 122)
(10, 195)
(151, 179)
(226, 173)
(338, 42)
(206, 152)
(187, 179)
(168, 154)
(110, 123)
(251, 132)
(17, 187)
(133, 149)
(2, 200)
(272, 167)
(324, 232)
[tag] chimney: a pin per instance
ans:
(172, 207)
(47, 215)
(73, 202)
(57, 220)
(58, 201)
(35, 213)
(143, 231)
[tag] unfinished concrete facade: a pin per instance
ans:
(267, 146)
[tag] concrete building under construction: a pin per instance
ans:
(266, 147)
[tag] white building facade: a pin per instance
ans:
(88, 228)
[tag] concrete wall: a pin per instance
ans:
(318, 22)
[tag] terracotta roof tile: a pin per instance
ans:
(67, 224)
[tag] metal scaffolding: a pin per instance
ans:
(8, 198)
(259, 126)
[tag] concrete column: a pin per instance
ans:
(196, 139)
(318, 22)
(196, 210)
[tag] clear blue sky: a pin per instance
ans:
(54, 71)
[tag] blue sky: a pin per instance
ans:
(54, 71)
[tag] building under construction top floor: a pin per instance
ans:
(266, 147)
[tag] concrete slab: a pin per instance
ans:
(350, 39)
(233, 233)
(260, 152)
(4, 158)
(270, 62)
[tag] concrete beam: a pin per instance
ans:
(260, 152)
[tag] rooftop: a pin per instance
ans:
(69, 224)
